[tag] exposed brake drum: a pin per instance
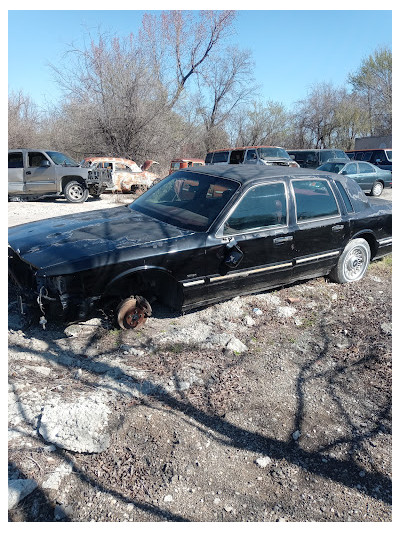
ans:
(133, 312)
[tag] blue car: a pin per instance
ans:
(370, 178)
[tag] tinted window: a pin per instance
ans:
(329, 154)
(314, 199)
(389, 154)
(237, 157)
(220, 157)
(209, 157)
(35, 159)
(366, 156)
(262, 206)
(305, 157)
(365, 168)
(15, 160)
(345, 197)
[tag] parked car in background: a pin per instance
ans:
(199, 236)
(36, 173)
(177, 164)
(126, 175)
(380, 157)
(316, 157)
(251, 155)
(371, 179)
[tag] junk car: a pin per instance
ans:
(251, 155)
(126, 175)
(198, 237)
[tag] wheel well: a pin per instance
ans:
(66, 179)
(373, 245)
(152, 284)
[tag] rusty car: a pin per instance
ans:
(199, 236)
(126, 175)
(178, 164)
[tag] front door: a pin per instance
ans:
(253, 248)
(39, 178)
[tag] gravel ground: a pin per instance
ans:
(274, 407)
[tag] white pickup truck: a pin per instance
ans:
(37, 173)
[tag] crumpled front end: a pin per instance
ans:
(129, 181)
(62, 297)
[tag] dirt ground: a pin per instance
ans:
(291, 424)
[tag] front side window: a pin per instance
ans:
(187, 200)
(314, 199)
(251, 155)
(351, 168)
(35, 159)
(263, 206)
(209, 157)
(15, 160)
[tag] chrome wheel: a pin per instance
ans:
(355, 263)
(76, 192)
(377, 188)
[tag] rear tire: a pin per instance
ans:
(377, 188)
(353, 262)
(75, 192)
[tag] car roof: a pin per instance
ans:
(312, 149)
(338, 160)
(365, 150)
(245, 174)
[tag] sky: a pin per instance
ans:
(292, 49)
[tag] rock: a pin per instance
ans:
(263, 462)
(286, 311)
(296, 434)
(54, 480)
(249, 321)
(168, 498)
(235, 345)
(386, 328)
(257, 311)
(84, 328)
(18, 489)
(79, 426)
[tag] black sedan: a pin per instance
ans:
(198, 237)
(369, 177)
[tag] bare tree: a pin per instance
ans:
(373, 81)
(224, 86)
(23, 121)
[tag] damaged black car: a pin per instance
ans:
(198, 237)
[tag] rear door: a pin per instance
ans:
(40, 179)
(367, 175)
(16, 172)
(321, 231)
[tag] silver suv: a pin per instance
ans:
(37, 173)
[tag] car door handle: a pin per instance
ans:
(28, 172)
(281, 240)
(338, 227)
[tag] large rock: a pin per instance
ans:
(18, 489)
(82, 426)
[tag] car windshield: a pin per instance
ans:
(187, 200)
(328, 154)
(62, 159)
(332, 167)
(271, 152)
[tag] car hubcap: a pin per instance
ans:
(356, 263)
(76, 192)
(377, 189)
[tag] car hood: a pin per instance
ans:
(71, 243)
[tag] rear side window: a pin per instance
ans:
(345, 197)
(314, 199)
(365, 168)
(220, 157)
(15, 160)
